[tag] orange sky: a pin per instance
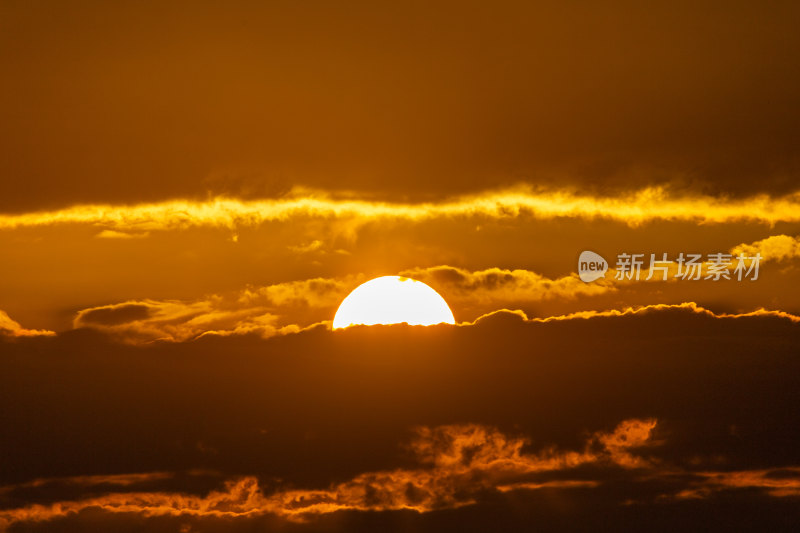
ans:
(175, 152)
(195, 187)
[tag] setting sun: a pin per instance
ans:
(392, 300)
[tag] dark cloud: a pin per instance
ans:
(722, 391)
(459, 465)
(459, 462)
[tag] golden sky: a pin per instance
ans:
(188, 191)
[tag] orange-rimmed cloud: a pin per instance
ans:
(778, 482)
(314, 292)
(12, 328)
(264, 310)
(152, 320)
(457, 462)
(457, 465)
(123, 480)
(772, 248)
(269, 310)
(254, 310)
(691, 307)
(494, 285)
(636, 207)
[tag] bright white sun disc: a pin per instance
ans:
(392, 300)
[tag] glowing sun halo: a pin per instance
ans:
(392, 300)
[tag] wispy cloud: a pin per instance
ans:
(122, 480)
(495, 285)
(691, 307)
(143, 321)
(636, 207)
(457, 465)
(779, 482)
(12, 328)
(457, 462)
(264, 311)
(112, 234)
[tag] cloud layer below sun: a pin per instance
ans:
(609, 406)
(458, 464)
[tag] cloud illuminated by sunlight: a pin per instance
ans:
(12, 328)
(633, 208)
(457, 462)
(691, 307)
(773, 248)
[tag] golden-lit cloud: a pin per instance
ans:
(457, 462)
(309, 247)
(779, 482)
(629, 434)
(122, 480)
(292, 306)
(497, 285)
(773, 248)
(12, 328)
(633, 208)
(151, 320)
(254, 310)
(273, 309)
(111, 234)
(315, 292)
(691, 307)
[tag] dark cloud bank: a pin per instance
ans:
(325, 411)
